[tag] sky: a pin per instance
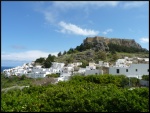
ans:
(34, 29)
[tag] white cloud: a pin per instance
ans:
(134, 4)
(107, 31)
(53, 10)
(144, 40)
(26, 56)
(73, 29)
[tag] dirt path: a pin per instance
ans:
(13, 87)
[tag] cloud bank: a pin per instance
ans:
(144, 40)
(74, 29)
(26, 56)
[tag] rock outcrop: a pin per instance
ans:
(101, 43)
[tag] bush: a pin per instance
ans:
(145, 77)
(101, 93)
(53, 75)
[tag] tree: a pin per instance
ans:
(84, 63)
(75, 51)
(90, 93)
(22, 77)
(102, 55)
(69, 59)
(70, 51)
(114, 57)
(64, 53)
(59, 54)
(145, 77)
(80, 48)
(49, 60)
(40, 60)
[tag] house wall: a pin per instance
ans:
(144, 83)
(90, 67)
(93, 72)
(142, 69)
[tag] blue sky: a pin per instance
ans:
(35, 29)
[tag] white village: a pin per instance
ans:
(130, 67)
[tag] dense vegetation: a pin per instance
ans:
(120, 48)
(112, 48)
(110, 55)
(25, 81)
(93, 93)
(15, 81)
(145, 77)
(46, 63)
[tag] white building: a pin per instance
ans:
(90, 67)
(81, 71)
(93, 72)
(67, 70)
(56, 65)
(91, 64)
(134, 70)
(77, 64)
(102, 63)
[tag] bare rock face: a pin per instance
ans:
(101, 43)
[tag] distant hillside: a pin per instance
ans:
(94, 49)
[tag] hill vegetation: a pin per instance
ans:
(95, 49)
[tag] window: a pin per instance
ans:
(117, 70)
(136, 70)
(126, 70)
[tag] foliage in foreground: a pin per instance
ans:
(15, 81)
(81, 94)
(145, 77)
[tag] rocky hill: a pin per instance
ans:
(94, 49)
(102, 43)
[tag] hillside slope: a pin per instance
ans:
(94, 49)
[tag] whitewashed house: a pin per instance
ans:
(93, 72)
(68, 70)
(56, 65)
(66, 73)
(7, 72)
(77, 64)
(71, 65)
(134, 70)
(90, 67)
(81, 71)
(92, 64)
(103, 64)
